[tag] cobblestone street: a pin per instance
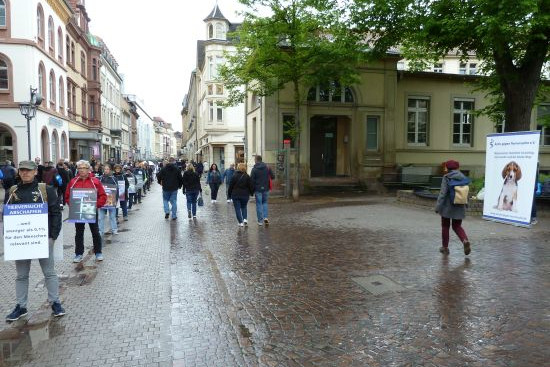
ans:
(332, 281)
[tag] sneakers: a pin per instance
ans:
(194, 217)
(189, 214)
(228, 200)
(534, 221)
(214, 201)
(115, 233)
(444, 250)
(174, 218)
(245, 221)
(166, 215)
(467, 248)
(99, 256)
(58, 311)
(241, 224)
(266, 221)
(77, 258)
(260, 223)
(17, 313)
(125, 219)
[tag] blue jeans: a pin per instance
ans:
(261, 204)
(240, 204)
(192, 201)
(101, 220)
(172, 198)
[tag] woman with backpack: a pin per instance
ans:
(214, 180)
(449, 211)
(240, 189)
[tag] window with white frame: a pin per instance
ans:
(463, 121)
(2, 13)
(438, 67)
(52, 89)
(220, 31)
(51, 37)
(210, 112)
(472, 69)
(462, 68)
(61, 94)
(330, 92)
(418, 117)
(219, 114)
(373, 123)
(543, 123)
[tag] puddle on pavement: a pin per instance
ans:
(16, 341)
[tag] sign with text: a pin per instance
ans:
(510, 173)
(26, 231)
(82, 206)
(111, 191)
(122, 190)
(139, 179)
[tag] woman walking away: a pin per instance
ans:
(191, 189)
(240, 189)
(451, 212)
(214, 180)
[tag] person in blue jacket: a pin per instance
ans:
(226, 178)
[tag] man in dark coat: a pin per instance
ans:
(261, 175)
(171, 180)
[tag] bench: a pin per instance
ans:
(413, 177)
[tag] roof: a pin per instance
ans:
(215, 14)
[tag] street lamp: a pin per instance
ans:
(29, 111)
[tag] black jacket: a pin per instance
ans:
(260, 177)
(191, 182)
(29, 193)
(240, 185)
(170, 178)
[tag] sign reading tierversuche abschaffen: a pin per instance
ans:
(26, 231)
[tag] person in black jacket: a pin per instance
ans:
(261, 175)
(30, 191)
(170, 179)
(122, 195)
(191, 189)
(240, 189)
(65, 178)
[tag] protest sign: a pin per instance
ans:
(121, 190)
(26, 231)
(510, 173)
(82, 206)
(139, 179)
(110, 191)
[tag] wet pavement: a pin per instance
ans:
(333, 281)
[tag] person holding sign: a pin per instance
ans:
(450, 211)
(84, 181)
(110, 184)
(123, 185)
(29, 191)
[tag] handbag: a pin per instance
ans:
(206, 190)
(200, 201)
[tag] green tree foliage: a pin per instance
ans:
(510, 36)
(300, 43)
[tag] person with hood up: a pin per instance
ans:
(171, 180)
(451, 212)
(86, 180)
(261, 176)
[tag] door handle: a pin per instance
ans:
(322, 156)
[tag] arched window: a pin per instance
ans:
(60, 44)
(40, 25)
(220, 31)
(55, 147)
(51, 37)
(52, 90)
(4, 75)
(72, 53)
(210, 31)
(330, 92)
(3, 21)
(61, 88)
(68, 49)
(42, 80)
(63, 147)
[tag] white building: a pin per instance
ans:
(145, 131)
(219, 130)
(32, 51)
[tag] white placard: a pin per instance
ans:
(510, 173)
(26, 231)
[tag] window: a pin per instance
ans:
(4, 79)
(289, 130)
(51, 37)
(92, 108)
(331, 92)
(94, 68)
(2, 13)
(40, 24)
(52, 89)
(41, 80)
(60, 44)
(219, 89)
(55, 145)
(463, 121)
(438, 68)
(219, 114)
(543, 118)
(82, 63)
(63, 149)
(69, 99)
(68, 49)
(210, 90)
(61, 94)
(220, 31)
(210, 31)
(210, 111)
(72, 54)
(417, 120)
(472, 69)
(462, 68)
(372, 133)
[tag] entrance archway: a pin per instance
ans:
(8, 144)
(45, 140)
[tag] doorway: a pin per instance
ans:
(323, 144)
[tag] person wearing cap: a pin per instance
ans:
(30, 191)
(85, 180)
(451, 213)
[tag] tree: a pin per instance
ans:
(510, 36)
(301, 43)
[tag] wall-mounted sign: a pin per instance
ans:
(55, 122)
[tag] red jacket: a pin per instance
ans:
(87, 183)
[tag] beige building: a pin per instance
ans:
(369, 131)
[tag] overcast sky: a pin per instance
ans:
(155, 45)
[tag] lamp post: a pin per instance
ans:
(29, 111)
